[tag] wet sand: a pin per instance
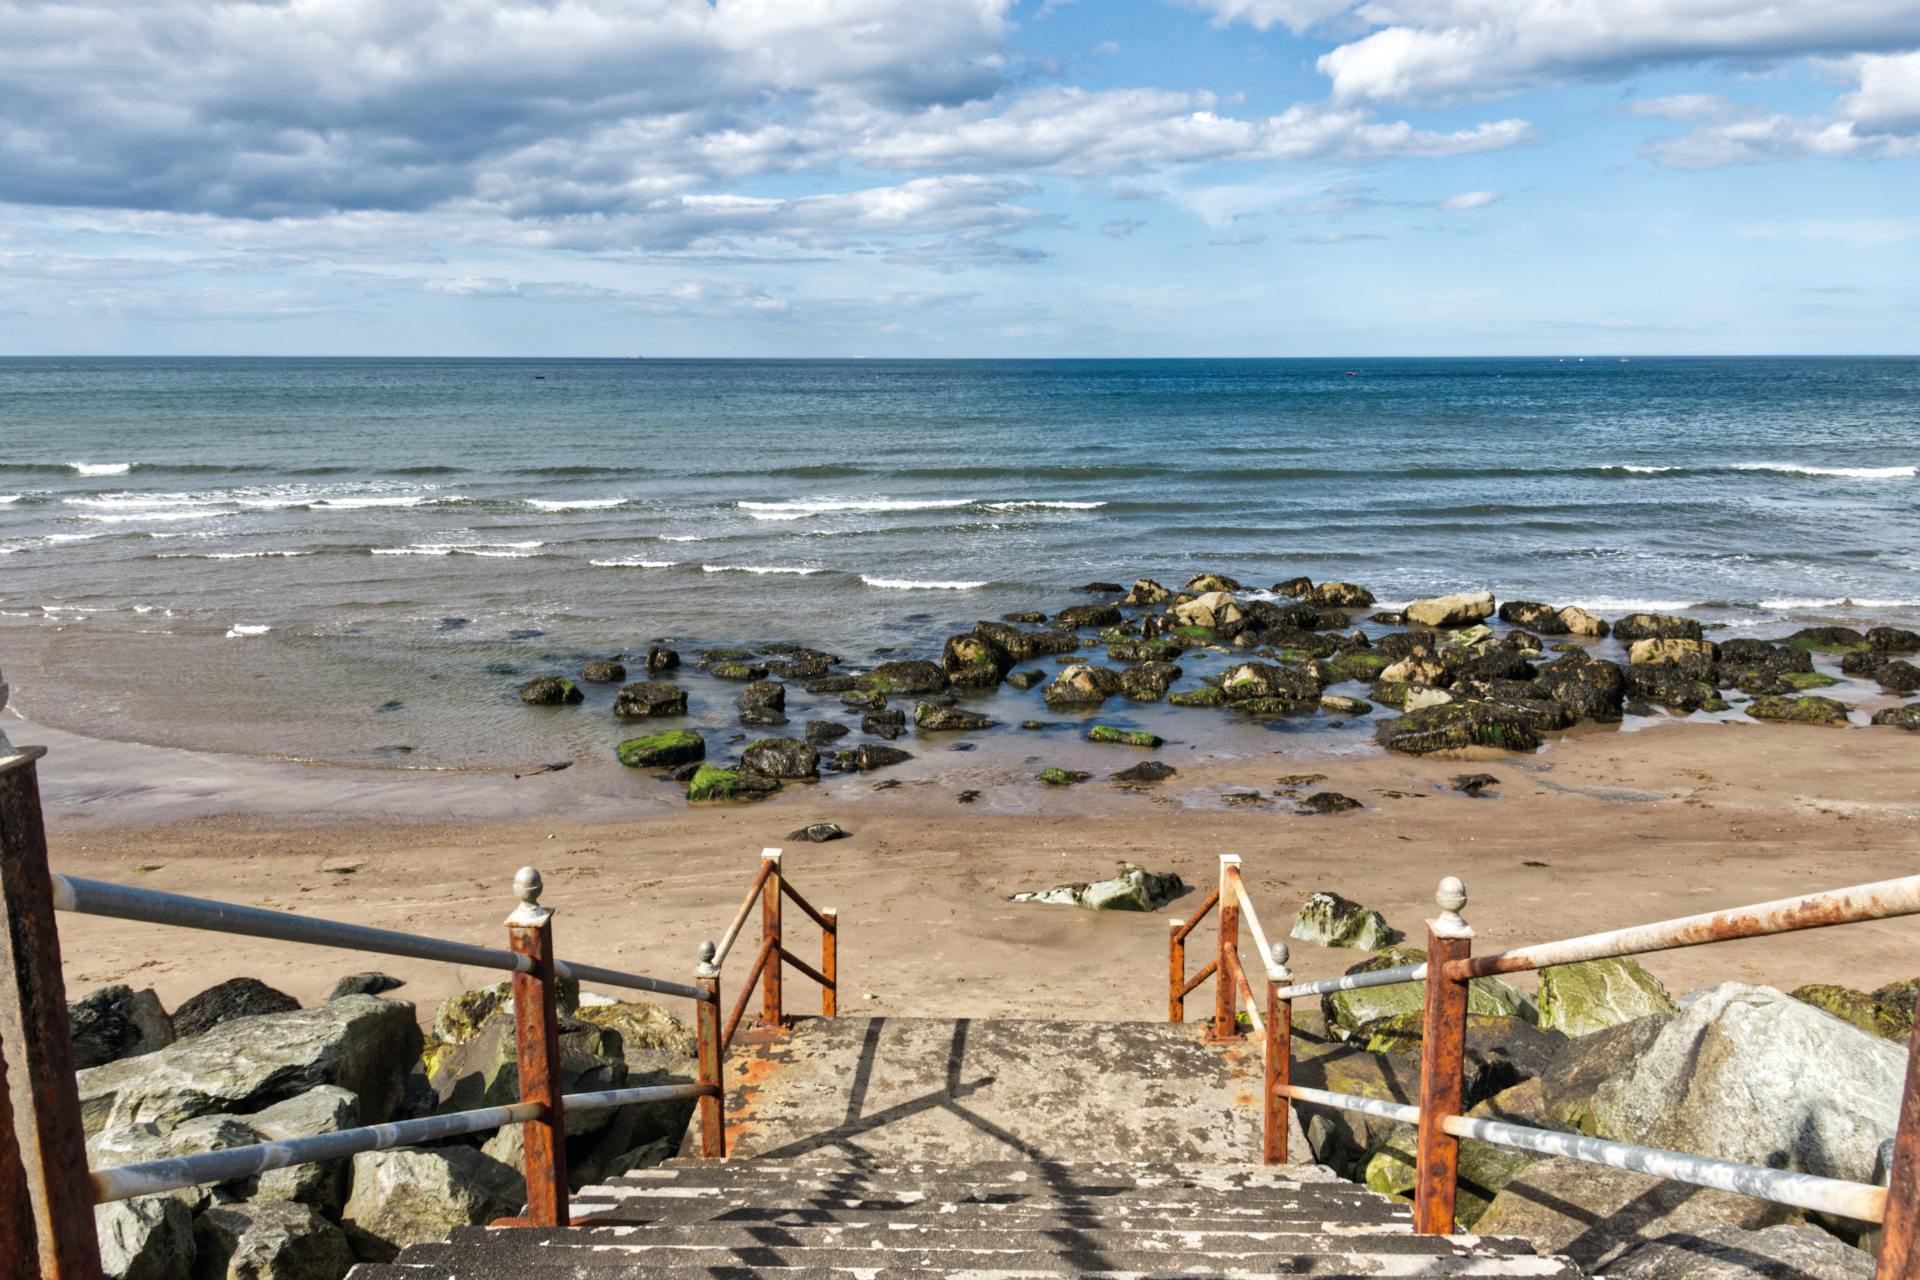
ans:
(1630, 827)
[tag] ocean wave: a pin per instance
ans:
(11, 497)
(582, 504)
(157, 515)
(1792, 604)
(226, 555)
(907, 584)
(1638, 470)
(1062, 506)
(748, 568)
(238, 629)
(102, 468)
(634, 564)
(355, 504)
(494, 550)
(411, 551)
(822, 506)
(683, 537)
(1847, 473)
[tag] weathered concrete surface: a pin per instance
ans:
(956, 1091)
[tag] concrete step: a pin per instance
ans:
(1188, 1217)
(1344, 1267)
(1239, 1242)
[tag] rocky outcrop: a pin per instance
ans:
(1569, 1085)
(934, 718)
(117, 1022)
(234, 998)
(1541, 618)
(1201, 583)
(1336, 705)
(1809, 709)
(1655, 626)
(1462, 610)
(826, 730)
(147, 1238)
(975, 661)
(1146, 591)
(1828, 639)
(364, 984)
(722, 785)
(268, 1240)
(1339, 595)
(484, 1071)
(1124, 737)
(1149, 681)
(661, 659)
(1887, 1013)
(650, 698)
(820, 833)
(1753, 1075)
(884, 724)
(1055, 776)
(871, 756)
(1893, 640)
(781, 758)
(1264, 680)
(1134, 889)
(1789, 1251)
(364, 1044)
(1579, 622)
(1213, 610)
(1907, 717)
(327, 1109)
(1328, 920)
(1082, 685)
(662, 750)
(603, 672)
(1145, 771)
(1594, 1214)
(909, 677)
(1596, 994)
(1663, 652)
(1356, 1014)
(550, 691)
(411, 1196)
(1460, 723)
(1023, 646)
(1087, 615)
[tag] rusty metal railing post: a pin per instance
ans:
(830, 962)
(770, 1019)
(45, 1099)
(1443, 1048)
(1279, 1057)
(1899, 1253)
(536, 1017)
(713, 1109)
(18, 1239)
(1225, 997)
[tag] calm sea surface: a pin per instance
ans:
(269, 555)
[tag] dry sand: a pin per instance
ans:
(1597, 831)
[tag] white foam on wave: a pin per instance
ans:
(1623, 466)
(1834, 602)
(11, 497)
(356, 504)
(748, 568)
(823, 506)
(683, 537)
(1846, 473)
(1612, 605)
(908, 584)
(128, 517)
(239, 629)
(634, 564)
(226, 555)
(102, 468)
(493, 550)
(1060, 506)
(581, 504)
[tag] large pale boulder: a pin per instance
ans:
(484, 1070)
(143, 1141)
(1082, 684)
(1329, 920)
(1655, 651)
(1753, 1075)
(1134, 889)
(1570, 1082)
(1462, 610)
(1723, 1252)
(1214, 609)
(147, 1238)
(1596, 994)
(270, 1240)
(410, 1196)
(363, 1044)
(1595, 1213)
(117, 1022)
(1579, 622)
(322, 1184)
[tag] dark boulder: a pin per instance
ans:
(1266, 615)
(1655, 626)
(364, 984)
(1087, 615)
(1473, 784)
(1673, 688)
(1462, 723)
(1103, 588)
(1828, 639)
(1860, 662)
(914, 676)
(1330, 802)
(1082, 685)
(884, 724)
(833, 684)
(603, 672)
(1201, 583)
(234, 998)
(1264, 680)
(1803, 710)
(1907, 717)
(975, 661)
(1339, 595)
(1149, 681)
(868, 757)
(826, 730)
(1025, 680)
(1145, 771)
(1898, 676)
(1401, 644)
(738, 671)
(864, 701)
(762, 695)
(550, 691)
(781, 758)
(1023, 646)
(1294, 587)
(934, 718)
(714, 657)
(723, 785)
(659, 659)
(1893, 640)
(1331, 620)
(1497, 664)
(1028, 617)
(820, 833)
(1532, 615)
(117, 1022)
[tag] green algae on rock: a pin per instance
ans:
(1803, 710)
(674, 747)
(603, 672)
(1465, 722)
(1058, 777)
(1328, 920)
(1593, 995)
(715, 784)
(550, 691)
(650, 698)
(1204, 696)
(1125, 737)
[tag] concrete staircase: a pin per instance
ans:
(875, 1149)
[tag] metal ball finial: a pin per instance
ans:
(1452, 895)
(707, 951)
(1281, 954)
(527, 886)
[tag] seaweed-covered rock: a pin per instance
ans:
(1356, 1013)
(820, 833)
(1359, 664)
(1082, 685)
(714, 657)
(1146, 591)
(1887, 1013)
(1023, 645)
(234, 998)
(269, 1240)
(661, 659)
(1810, 709)
(913, 676)
(762, 695)
(1054, 776)
(1579, 622)
(1664, 652)
(742, 671)
(603, 672)
(833, 684)
(716, 784)
(1134, 889)
(1828, 639)
(116, 1022)
(1145, 771)
(1205, 696)
(1893, 640)
(1328, 802)
(1297, 588)
(1675, 688)
(1593, 995)
(1025, 680)
(1461, 723)
(974, 660)
(870, 756)
(550, 691)
(936, 719)
(1655, 626)
(411, 1196)
(657, 750)
(1461, 610)
(781, 758)
(1541, 618)
(1336, 705)
(1339, 595)
(1328, 920)
(1264, 680)
(1897, 676)
(1907, 717)
(1125, 737)
(1077, 616)
(884, 724)
(650, 698)
(1149, 681)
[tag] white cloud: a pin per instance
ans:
(1468, 200)
(1255, 238)
(1878, 121)
(1121, 228)
(1336, 238)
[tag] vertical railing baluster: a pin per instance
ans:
(1279, 1056)
(1899, 1254)
(33, 1026)
(536, 1017)
(1443, 1046)
(770, 1018)
(18, 1239)
(830, 962)
(1176, 971)
(713, 1110)
(1226, 996)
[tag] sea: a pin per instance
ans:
(359, 561)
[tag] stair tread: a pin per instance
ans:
(480, 1267)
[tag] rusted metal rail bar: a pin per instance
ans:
(794, 897)
(825, 982)
(1241, 985)
(1181, 931)
(1878, 901)
(1226, 993)
(1212, 966)
(740, 917)
(767, 951)
(772, 1017)
(1177, 984)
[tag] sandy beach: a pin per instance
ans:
(1598, 830)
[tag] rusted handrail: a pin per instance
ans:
(725, 944)
(767, 949)
(770, 887)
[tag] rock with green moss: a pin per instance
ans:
(1263, 680)
(937, 719)
(1464, 722)
(913, 676)
(1806, 680)
(657, 750)
(713, 784)
(650, 698)
(1907, 717)
(1328, 920)
(1149, 681)
(1483, 1170)
(781, 758)
(1125, 737)
(1887, 1013)
(1359, 664)
(1134, 889)
(1055, 776)
(1593, 995)
(1803, 710)
(1273, 706)
(1205, 696)
(1082, 685)
(550, 691)
(1158, 650)
(742, 671)
(1335, 705)
(603, 672)
(974, 661)
(1829, 640)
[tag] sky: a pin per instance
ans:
(959, 178)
